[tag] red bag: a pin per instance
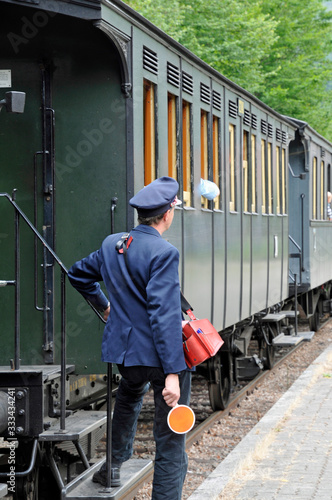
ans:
(200, 340)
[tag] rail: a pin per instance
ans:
(16, 283)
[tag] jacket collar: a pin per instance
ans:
(142, 228)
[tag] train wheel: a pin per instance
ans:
(314, 321)
(220, 387)
(266, 347)
(27, 487)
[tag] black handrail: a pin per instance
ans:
(19, 213)
(296, 256)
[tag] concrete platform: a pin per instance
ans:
(288, 454)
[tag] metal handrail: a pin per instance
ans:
(34, 230)
(296, 256)
(19, 213)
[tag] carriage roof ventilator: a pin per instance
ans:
(14, 102)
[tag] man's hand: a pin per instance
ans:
(106, 313)
(171, 392)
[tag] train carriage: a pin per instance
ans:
(310, 158)
(112, 103)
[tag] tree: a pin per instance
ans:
(298, 69)
(276, 49)
(231, 35)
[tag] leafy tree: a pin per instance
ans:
(298, 69)
(233, 36)
(276, 49)
(230, 35)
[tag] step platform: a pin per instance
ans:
(276, 317)
(83, 488)
(283, 340)
(77, 426)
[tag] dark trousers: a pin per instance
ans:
(171, 460)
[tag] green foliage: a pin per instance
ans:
(277, 49)
(298, 69)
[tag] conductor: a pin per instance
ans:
(143, 332)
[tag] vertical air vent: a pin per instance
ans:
(150, 60)
(270, 130)
(173, 75)
(205, 94)
(263, 127)
(232, 109)
(322, 152)
(216, 100)
(254, 122)
(284, 137)
(187, 83)
(278, 135)
(247, 118)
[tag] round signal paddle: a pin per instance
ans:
(181, 419)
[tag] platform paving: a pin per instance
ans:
(288, 454)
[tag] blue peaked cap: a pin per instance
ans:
(156, 198)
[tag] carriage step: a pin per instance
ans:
(274, 318)
(83, 488)
(306, 335)
(77, 426)
(283, 340)
(291, 314)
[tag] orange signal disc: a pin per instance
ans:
(181, 419)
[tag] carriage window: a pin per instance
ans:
(278, 181)
(269, 178)
(232, 179)
(263, 177)
(172, 130)
(283, 181)
(149, 133)
(186, 153)
(245, 166)
(204, 153)
(216, 159)
(322, 190)
(253, 173)
(314, 188)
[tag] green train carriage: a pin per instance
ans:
(111, 104)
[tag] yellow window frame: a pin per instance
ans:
(245, 165)
(269, 178)
(149, 133)
(215, 152)
(314, 188)
(172, 130)
(279, 180)
(283, 181)
(263, 177)
(204, 152)
(322, 190)
(186, 153)
(253, 173)
(232, 199)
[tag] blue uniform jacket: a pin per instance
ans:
(138, 331)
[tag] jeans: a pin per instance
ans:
(171, 460)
